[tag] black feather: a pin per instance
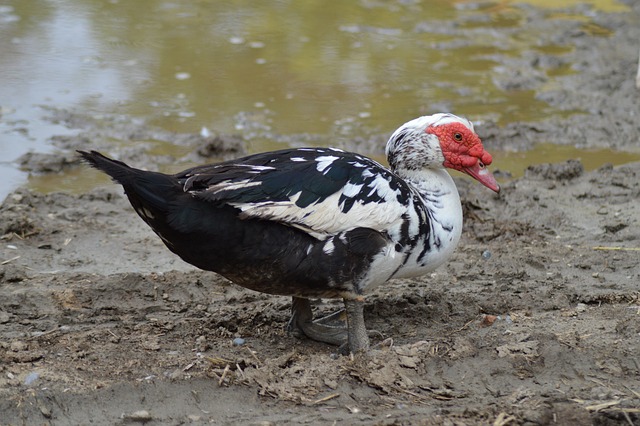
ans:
(282, 177)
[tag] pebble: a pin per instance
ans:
(486, 254)
(46, 411)
(18, 345)
(408, 361)
(238, 341)
(201, 344)
(140, 416)
(31, 377)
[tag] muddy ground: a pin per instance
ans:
(536, 320)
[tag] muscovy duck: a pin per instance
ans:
(316, 222)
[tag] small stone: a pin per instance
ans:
(46, 411)
(151, 343)
(175, 374)
(486, 254)
(238, 341)
(488, 320)
(201, 344)
(4, 317)
(31, 378)
(140, 416)
(331, 383)
(18, 345)
(408, 361)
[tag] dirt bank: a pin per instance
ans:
(537, 316)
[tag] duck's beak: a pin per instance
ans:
(481, 173)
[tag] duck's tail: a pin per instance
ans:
(119, 171)
(150, 190)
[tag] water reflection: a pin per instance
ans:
(352, 69)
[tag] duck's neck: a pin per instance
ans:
(441, 214)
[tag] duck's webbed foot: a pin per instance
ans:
(321, 330)
(352, 338)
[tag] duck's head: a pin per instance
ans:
(438, 141)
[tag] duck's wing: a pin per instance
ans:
(323, 191)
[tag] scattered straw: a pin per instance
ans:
(10, 260)
(224, 374)
(503, 419)
(326, 398)
(616, 248)
(253, 354)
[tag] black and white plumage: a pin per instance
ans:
(316, 222)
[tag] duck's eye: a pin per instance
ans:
(457, 136)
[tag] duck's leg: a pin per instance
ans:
(358, 337)
(302, 318)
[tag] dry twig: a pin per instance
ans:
(503, 419)
(326, 398)
(224, 374)
(10, 260)
(617, 248)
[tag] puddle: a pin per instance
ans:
(611, 6)
(515, 163)
(349, 71)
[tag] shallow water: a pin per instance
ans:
(285, 67)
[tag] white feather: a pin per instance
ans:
(351, 190)
(324, 218)
(324, 162)
(228, 185)
(328, 247)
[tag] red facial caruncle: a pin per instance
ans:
(463, 151)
